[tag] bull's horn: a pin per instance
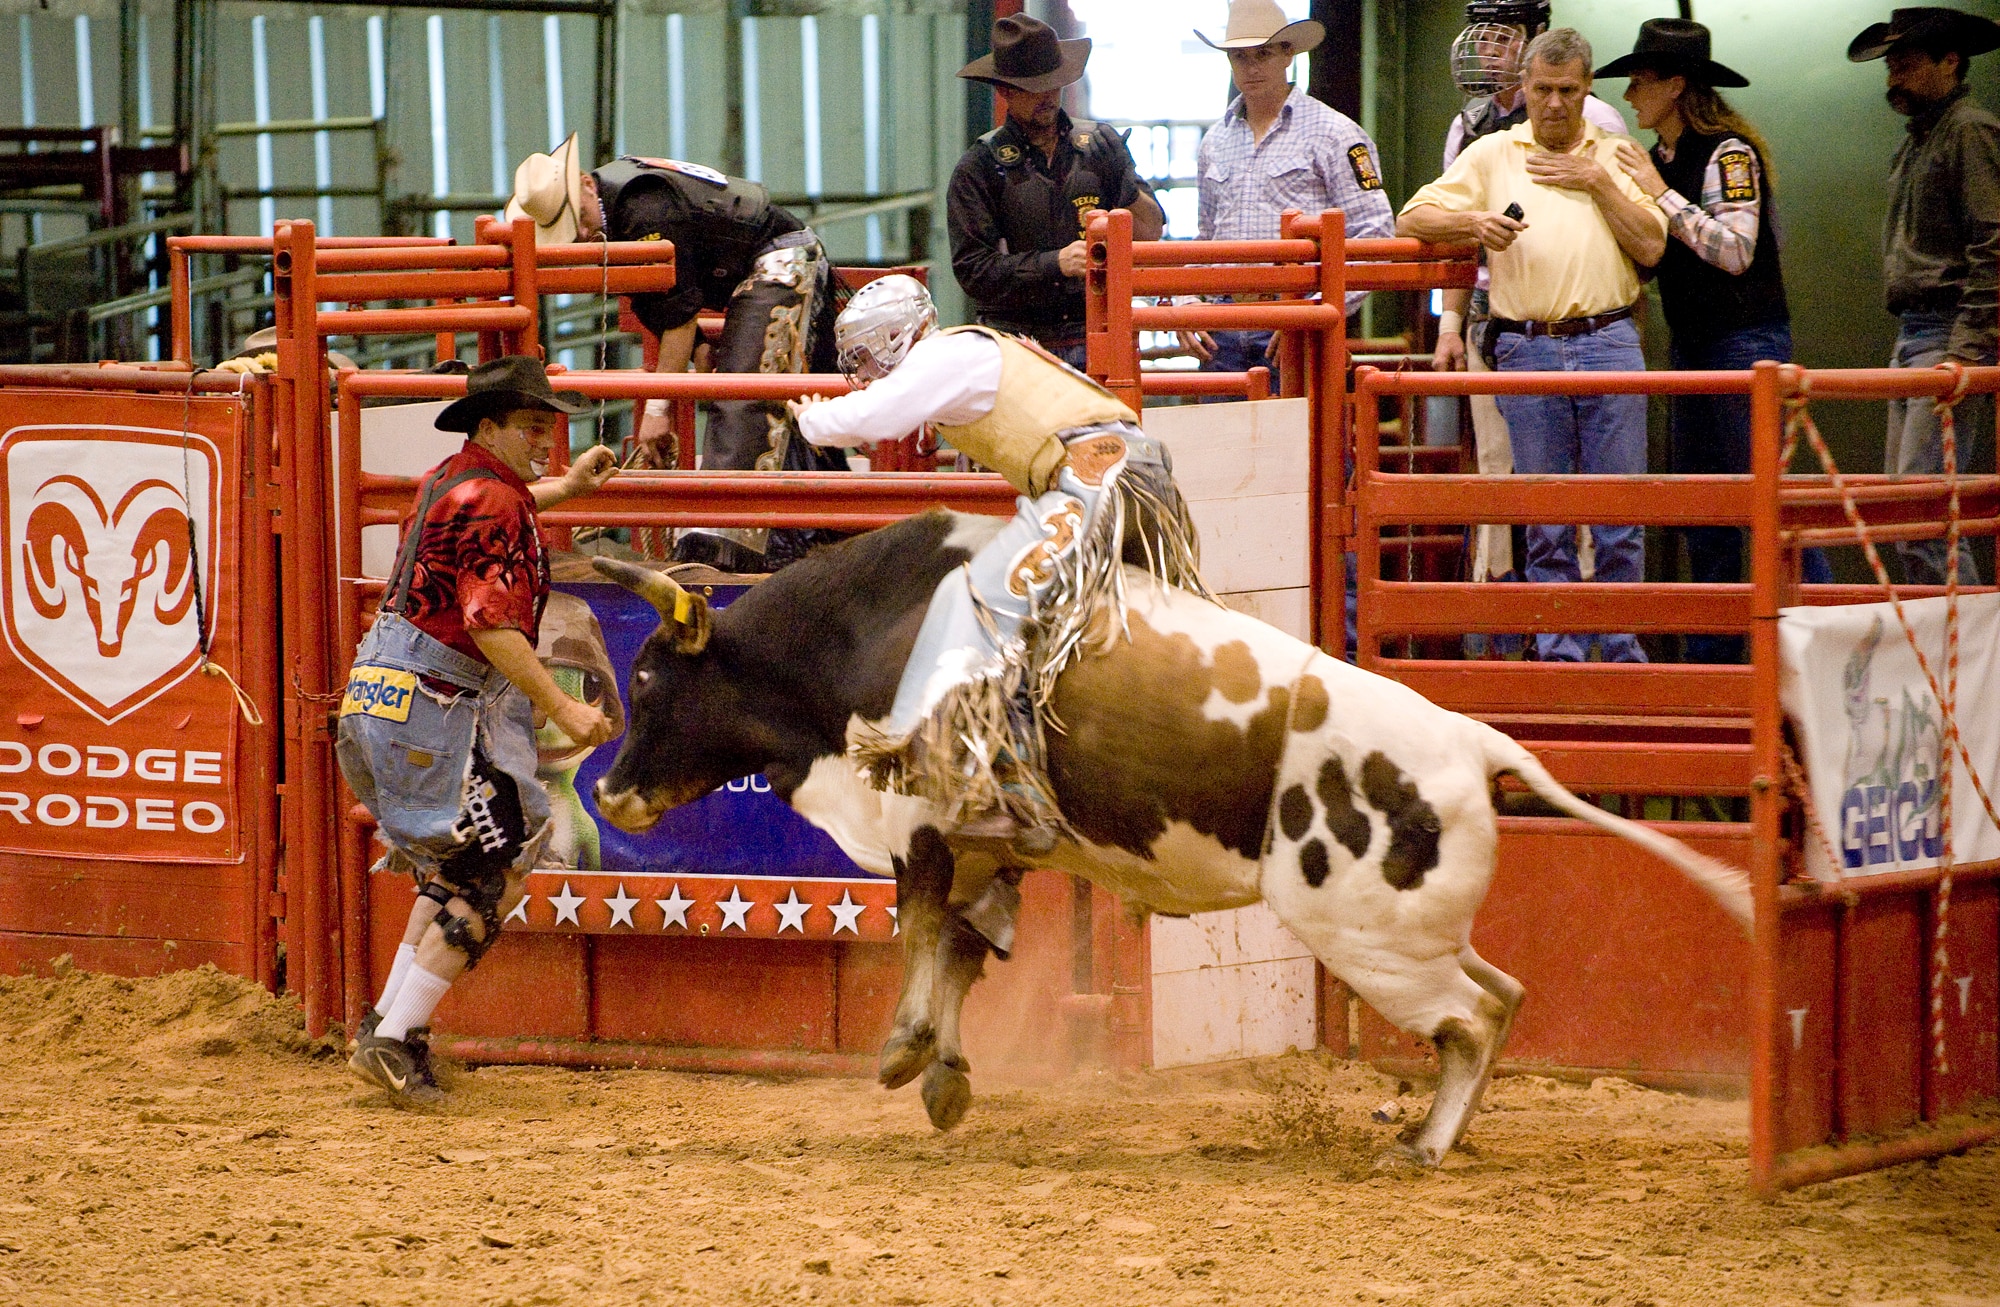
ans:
(656, 588)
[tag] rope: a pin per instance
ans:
(1795, 777)
(203, 638)
(1798, 421)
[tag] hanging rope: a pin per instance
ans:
(1798, 422)
(208, 667)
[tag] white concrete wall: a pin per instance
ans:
(1238, 984)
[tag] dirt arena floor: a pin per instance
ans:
(179, 1140)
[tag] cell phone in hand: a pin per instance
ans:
(1513, 210)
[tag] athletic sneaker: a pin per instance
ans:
(400, 1066)
(369, 1020)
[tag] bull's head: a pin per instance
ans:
(687, 731)
(110, 554)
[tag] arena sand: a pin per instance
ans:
(180, 1140)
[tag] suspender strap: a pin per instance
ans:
(406, 557)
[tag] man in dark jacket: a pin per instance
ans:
(736, 253)
(1018, 197)
(1941, 239)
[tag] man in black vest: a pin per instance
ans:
(1721, 284)
(1018, 196)
(735, 252)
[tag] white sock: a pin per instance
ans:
(414, 1003)
(405, 955)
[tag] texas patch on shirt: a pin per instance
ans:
(1365, 175)
(1739, 179)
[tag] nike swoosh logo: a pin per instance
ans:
(396, 1082)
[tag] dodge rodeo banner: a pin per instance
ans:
(1871, 736)
(120, 561)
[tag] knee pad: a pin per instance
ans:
(458, 934)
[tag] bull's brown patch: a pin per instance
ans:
(1137, 751)
(1313, 863)
(1237, 676)
(1343, 821)
(1413, 823)
(1309, 710)
(1295, 813)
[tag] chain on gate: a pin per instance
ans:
(1799, 422)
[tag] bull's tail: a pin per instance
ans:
(1728, 886)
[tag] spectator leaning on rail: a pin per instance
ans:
(1486, 67)
(1018, 197)
(1564, 284)
(1940, 240)
(736, 252)
(437, 729)
(1277, 148)
(1720, 280)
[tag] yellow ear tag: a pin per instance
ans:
(683, 606)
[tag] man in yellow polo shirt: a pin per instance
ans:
(1563, 227)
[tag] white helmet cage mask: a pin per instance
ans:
(882, 320)
(1486, 59)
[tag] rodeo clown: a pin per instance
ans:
(967, 727)
(737, 253)
(437, 729)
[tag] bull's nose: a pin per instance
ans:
(628, 810)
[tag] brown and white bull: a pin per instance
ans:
(1208, 761)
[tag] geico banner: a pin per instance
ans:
(1871, 736)
(121, 515)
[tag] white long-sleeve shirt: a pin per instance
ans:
(951, 379)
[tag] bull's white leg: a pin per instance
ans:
(947, 1085)
(923, 884)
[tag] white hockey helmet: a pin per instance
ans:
(881, 321)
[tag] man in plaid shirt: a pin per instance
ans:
(1277, 148)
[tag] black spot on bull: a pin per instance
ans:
(1345, 822)
(1295, 813)
(1312, 861)
(1413, 823)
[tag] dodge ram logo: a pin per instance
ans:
(108, 532)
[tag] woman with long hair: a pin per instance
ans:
(1720, 280)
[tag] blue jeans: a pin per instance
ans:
(1915, 447)
(1711, 434)
(1239, 351)
(1567, 434)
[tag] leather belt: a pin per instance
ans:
(1561, 326)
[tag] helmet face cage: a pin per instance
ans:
(1531, 14)
(879, 325)
(1486, 59)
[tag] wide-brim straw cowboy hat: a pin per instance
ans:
(1969, 34)
(1261, 22)
(503, 385)
(1027, 57)
(1674, 47)
(549, 189)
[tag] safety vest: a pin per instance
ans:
(717, 223)
(1038, 397)
(1701, 301)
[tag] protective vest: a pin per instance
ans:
(1482, 117)
(718, 224)
(1703, 302)
(1035, 211)
(1038, 397)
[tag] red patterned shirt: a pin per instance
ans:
(481, 562)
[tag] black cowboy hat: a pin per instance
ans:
(1673, 47)
(1934, 26)
(1028, 57)
(504, 385)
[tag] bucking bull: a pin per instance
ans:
(1206, 762)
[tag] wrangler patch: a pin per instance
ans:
(1739, 178)
(1347, 824)
(379, 692)
(1365, 175)
(1413, 823)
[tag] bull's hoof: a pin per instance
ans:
(905, 1056)
(1404, 1156)
(947, 1094)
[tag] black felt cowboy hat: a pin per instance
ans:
(504, 385)
(1933, 26)
(1028, 57)
(1673, 47)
